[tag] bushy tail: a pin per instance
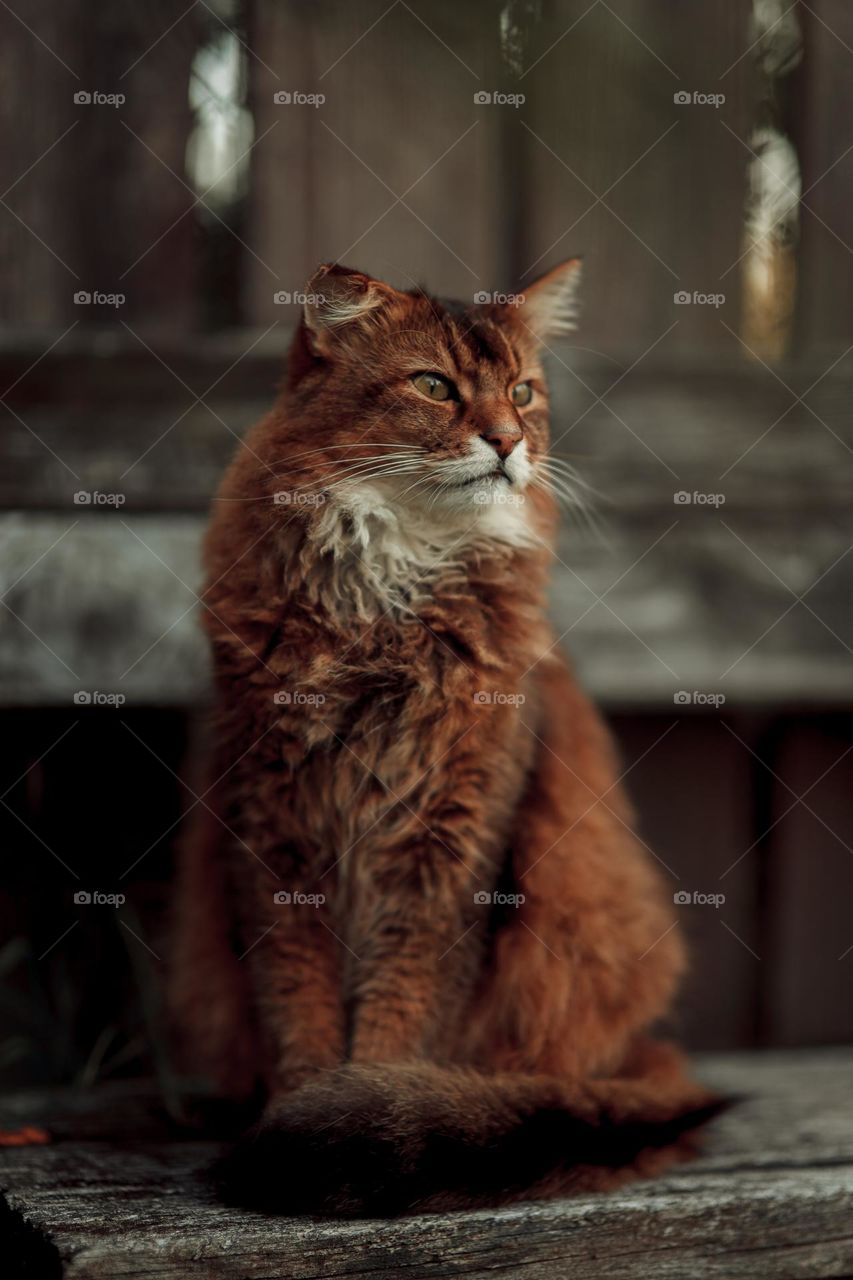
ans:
(386, 1140)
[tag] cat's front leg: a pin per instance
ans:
(295, 976)
(416, 959)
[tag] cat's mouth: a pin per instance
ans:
(497, 474)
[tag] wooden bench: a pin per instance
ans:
(117, 1194)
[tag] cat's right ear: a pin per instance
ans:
(337, 298)
(550, 305)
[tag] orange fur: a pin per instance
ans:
(356, 628)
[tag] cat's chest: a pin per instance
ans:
(370, 559)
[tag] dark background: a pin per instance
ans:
(199, 198)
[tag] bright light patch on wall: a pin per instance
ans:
(516, 22)
(772, 224)
(217, 163)
(774, 187)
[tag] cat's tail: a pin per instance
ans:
(386, 1140)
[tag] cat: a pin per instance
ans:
(413, 908)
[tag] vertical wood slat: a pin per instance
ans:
(826, 238)
(98, 199)
(691, 793)
(399, 98)
(809, 965)
(133, 196)
(35, 109)
(600, 97)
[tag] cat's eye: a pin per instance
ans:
(521, 394)
(434, 386)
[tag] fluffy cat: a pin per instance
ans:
(414, 908)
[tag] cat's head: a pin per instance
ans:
(425, 402)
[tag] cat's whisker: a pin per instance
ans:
(374, 472)
(371, 460)
(562, 467)
(576, 504)
(585, 492)
(361, 467)
(353, 444)
(369, 466)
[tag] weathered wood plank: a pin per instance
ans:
(106, 602)
(123, 421)
(771, 1197)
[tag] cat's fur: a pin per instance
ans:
(397, 732)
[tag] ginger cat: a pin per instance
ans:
(414, 909)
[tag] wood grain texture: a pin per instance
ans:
(810, 952)
(771, 1197)
(107, 601)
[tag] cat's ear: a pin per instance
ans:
(337, 298)
(552, 303)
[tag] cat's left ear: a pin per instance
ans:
(551, 304)
(337, 301)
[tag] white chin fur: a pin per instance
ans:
(472, 482)
(376, 540)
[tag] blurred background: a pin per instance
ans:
(172, 174)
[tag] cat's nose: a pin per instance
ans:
(503, 439)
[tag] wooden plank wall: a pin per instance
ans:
(507, 183)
